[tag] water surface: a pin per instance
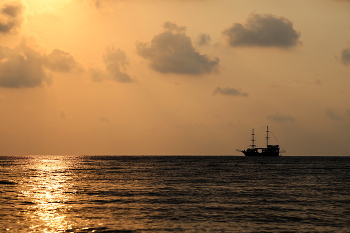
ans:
(174, 194)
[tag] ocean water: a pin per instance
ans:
(174, 194)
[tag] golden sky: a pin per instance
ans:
(169, 77)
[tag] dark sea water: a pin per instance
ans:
(174, 194)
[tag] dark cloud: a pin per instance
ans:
(229, 91)
(317, 82)
(280, 118)
(331, 113)
(21, 67)
(345, 56)
(97, 75)
(11, 17)
(347, 112)
(101, 4)
(172, 52)
(203, 39)
(173, 27)
(264, 31)
(97, 3)
(104, 119)
(116, 62)
(62, 115)
(61, 61)
(25, 65)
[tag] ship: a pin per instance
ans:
(268, 151)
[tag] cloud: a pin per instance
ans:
(280, 118)
(172, 52)
(62, 115)
(97, 75)
(316, 82)
(345, 56)
(229, 91)
(331, 113)
(203, 39)
(101, 5)
(174, 27)
(26, 66)
(97, 3)
(21, 67)
(11, 17)
(263, 31)
(61, 61)
(116, 62)
(104, 119)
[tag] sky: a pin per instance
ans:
(173, 77)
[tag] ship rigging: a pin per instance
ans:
(268, 151)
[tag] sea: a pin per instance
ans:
(174, 194)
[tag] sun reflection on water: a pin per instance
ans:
(47, 190)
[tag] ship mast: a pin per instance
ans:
(253, 140)
(267, 136)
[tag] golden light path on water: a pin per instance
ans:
(46, 190)
(49, 190)
(57, 194)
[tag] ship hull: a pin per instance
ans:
(257, 154)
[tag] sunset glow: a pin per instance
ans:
(163, 77)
